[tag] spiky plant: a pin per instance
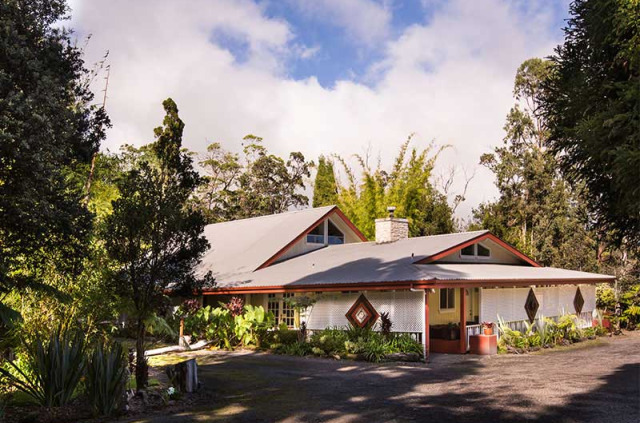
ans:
(107, 376)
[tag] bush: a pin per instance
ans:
(251, 326)
(374, 350)
(106, 380)
(297, 348)
(568, 327)
(330, 341)
(56, 366)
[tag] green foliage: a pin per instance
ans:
(259, 184)
(217, 325)
(537, 210)
(152, 234)
(632, 314)
(407, 186)
(325, 188)
(296, 348)
(53, 368)
(592, 110)
(107, 376)
(374, 350)
(568, 328)
(49, 132)
(330, 341)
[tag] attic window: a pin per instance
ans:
(475, 250)
(316, 236)
(335, 236)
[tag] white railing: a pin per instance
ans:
(473, 330)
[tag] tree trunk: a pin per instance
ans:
(142, 369)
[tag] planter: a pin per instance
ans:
(488, 331)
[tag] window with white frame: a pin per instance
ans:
(447, 299)
(475, 250)
(282, 309)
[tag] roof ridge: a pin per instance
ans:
(271, 215)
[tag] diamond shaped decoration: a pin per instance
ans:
(362, 314)
(531, 305)
(578, 301)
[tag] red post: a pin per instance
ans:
(463, 320)
(426, 324)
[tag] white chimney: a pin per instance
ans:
(391, 229)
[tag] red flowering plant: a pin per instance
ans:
(235, 306)
(188, 308)
(487, 325)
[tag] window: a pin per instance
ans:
(316, 236)
(335, 236)
(468, 251)
(483, 251)
(447, 298)
(282, 309)
(475, 250)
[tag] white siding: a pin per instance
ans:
(508, 303)
(499, 255)
(405, 308)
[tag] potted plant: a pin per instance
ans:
(487, 328)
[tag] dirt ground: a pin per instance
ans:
(595, 381)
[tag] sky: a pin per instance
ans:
(321, 76)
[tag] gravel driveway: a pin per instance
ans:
(597, 381)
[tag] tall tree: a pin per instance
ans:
(592, 108)
(258, 184)
(538, 211)
(153, 234)
(407, 187)
(325, 188)
(48, 128)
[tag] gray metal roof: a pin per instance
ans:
(243, 245)
(240, 247)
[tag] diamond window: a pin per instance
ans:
(578, 301)
(531, 305)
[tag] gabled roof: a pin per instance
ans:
(244, 245)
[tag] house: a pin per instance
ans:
(437, 288)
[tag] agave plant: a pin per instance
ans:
(57, 366)
(107, 376)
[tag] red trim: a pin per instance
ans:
(477, 239)
(401, 285)
(463, 320)
(426, 325)
(284, 249)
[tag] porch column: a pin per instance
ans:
(463, 320)
(425, 336)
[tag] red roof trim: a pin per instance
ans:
(475, 240)
(284, 249)
(402, 285)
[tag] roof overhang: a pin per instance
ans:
(403, 285)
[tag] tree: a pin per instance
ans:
(325, 189)
(152, 233)
(537, 211)
(407, 187)
(48, 129)
(592, 108)
(258, 185)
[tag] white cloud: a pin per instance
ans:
(449, 81)
(365, 21)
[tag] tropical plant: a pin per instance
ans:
(235, 306)
(55, 368)
(330, 341)
(106, 380)
(632, 314)
(375, 350)
(406, 344)
(568, 328)
(385, 324)
(250, 326)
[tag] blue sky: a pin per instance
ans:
(322, 76)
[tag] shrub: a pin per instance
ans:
(297, 348)
(568, 327)
(374, 350)
(106, 380)
(56, 366)
(250, 327)
(330, 341)
(235, 306)
(632, 315)
(406, 344)
(358, 334)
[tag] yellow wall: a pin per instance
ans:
(437, 317)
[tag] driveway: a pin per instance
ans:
(598, 381)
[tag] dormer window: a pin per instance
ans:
(475, 250)
(317, 234)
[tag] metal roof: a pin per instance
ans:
(244, 245)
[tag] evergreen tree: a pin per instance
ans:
(152, 233)
(325, 188)
(537, 211)
(592, 108)
(47, 130)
